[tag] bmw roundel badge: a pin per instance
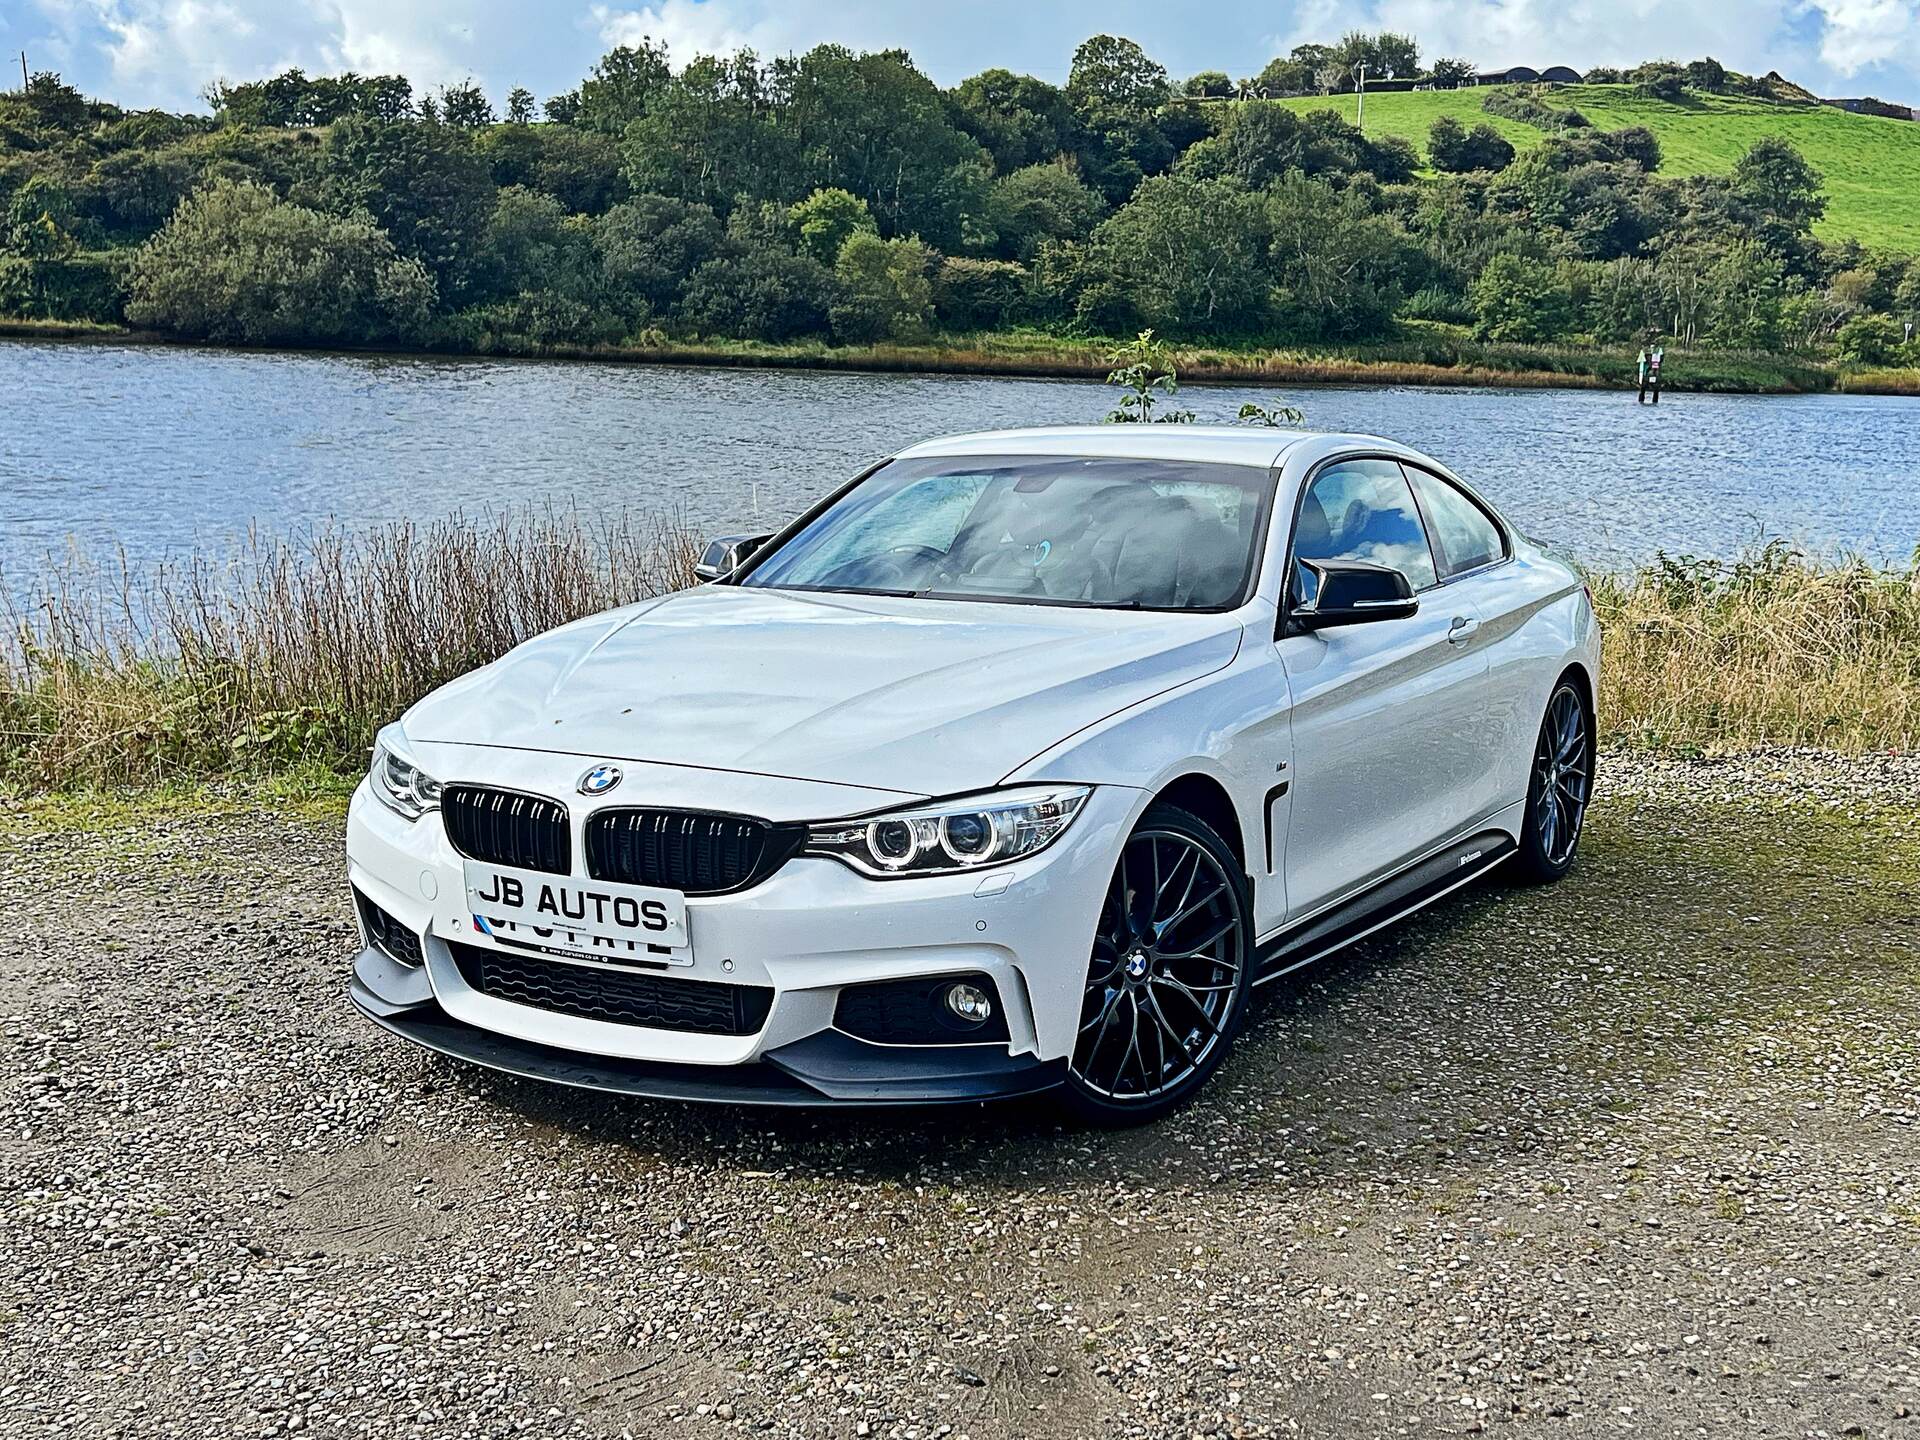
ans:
(599, 780)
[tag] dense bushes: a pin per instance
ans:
(841, 197)
(1528, 104)
(1454, 149)
(75, 287)
(236, 264)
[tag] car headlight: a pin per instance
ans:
(399, 784)
(952, 835)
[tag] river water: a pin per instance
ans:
(161, 450)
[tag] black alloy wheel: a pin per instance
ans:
(1560, 787)
(1168, 980)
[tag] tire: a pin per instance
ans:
(1559, 787)
(1169, 976)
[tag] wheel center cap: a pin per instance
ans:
(1136, 964)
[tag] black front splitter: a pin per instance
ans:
(828, 1068)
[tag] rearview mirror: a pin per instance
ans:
(726, 554)
(1353, 592)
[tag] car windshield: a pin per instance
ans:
(1117, 533)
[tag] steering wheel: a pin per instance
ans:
(888, 570)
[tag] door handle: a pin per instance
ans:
(1462, 629)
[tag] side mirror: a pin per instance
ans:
(1353, 592)
(725, 555)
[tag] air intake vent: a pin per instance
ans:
(386, 933)
(506, 827)
(692, 851)
(621, 997)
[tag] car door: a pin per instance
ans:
(1389, 739)
(1471, 548)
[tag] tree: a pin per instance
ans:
(1776, 179)
(519, 106)
(1209, 85)
(1516, 298)
(875, 126)
(711, 136)
(1707, 74)
(1450, 73)
(37, 221)
(236, 264)
(466, 106)
(1870, 340)
(1193, 254)
(881, 290)
(532, 244)
(1386, 55)
(1746, 288)
(978, 294)
(1335, 263)
(622, 87)
(649, 246)
(1039, 203)
(1283, 75)
(759, 294)
(1453, 149)
(562, 109)
(1112, 73)
(425, 185)
(827, 219)
(1638, 144)
(1019, 120)
(579, 168)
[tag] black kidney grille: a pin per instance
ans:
(505, 827)
(588, 992)
(692, 851)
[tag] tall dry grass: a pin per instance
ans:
(294, 651)
(1772, 648)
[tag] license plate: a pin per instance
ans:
(584, 917)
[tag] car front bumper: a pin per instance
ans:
(811, 930)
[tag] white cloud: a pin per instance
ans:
(688, 28)
(1862, 33)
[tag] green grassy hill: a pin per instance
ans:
(1871, 164)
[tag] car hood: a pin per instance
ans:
(925, 697)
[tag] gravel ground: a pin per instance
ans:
(1638, 1153)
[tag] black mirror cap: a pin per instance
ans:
(1354, 592)
(726, 554)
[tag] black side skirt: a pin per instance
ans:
(1392, 898)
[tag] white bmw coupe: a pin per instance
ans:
(1016, 764)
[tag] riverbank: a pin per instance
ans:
(293, 651)
(1428, 354)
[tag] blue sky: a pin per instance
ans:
(162, 52)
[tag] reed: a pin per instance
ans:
(1775, 648)
(293, 650)
(289, 653)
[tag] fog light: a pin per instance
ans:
(969, 1002)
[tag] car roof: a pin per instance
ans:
(1219, 444)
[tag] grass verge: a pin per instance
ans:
(288, 654)
(1426, 353)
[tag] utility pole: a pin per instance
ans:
(1360, 111)
(23, 72)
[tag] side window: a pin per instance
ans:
(1362, 510)
(1464, 536)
